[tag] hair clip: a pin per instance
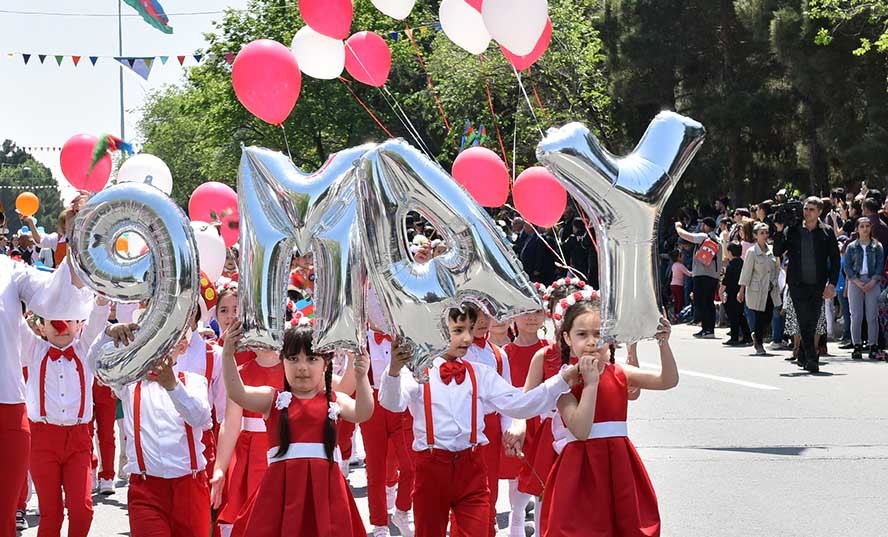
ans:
(570, 300)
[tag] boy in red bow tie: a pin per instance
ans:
(60, 409)
(448, 426)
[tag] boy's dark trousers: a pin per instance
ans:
(737, 319)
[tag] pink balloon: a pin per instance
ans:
(539, 196)
(368, 58)
(475, 4)
(267, 80)
(484, 174)
(230, 229)
(210, 200)
(332, 18)
(523, 62)
(75, 158)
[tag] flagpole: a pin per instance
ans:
(120, 53)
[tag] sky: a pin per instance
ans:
(44, 105)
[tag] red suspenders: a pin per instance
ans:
(137, 432)
(498, 356)
(79, 365)
(427, 404)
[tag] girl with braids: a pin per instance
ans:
(598, 472)
(303, 491)
(241, 453)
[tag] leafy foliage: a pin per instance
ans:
(19, 168)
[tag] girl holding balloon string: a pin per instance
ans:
(598, 470)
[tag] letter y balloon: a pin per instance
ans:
(626, 196)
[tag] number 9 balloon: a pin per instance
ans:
(167, 274)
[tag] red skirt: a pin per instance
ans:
(606, 481)
(540, 455)
(301, 497)
(248, 465)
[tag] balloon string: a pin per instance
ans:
(526, 98)
(589, 231)
(405, 120)
(409, 33)
(492, 112)
(286, 142)
(536, 94)
(515, 141)
(367, 108)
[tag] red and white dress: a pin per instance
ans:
(601, 477)
(519, 364)
(250, 458)
(302, 493)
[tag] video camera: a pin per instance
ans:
(790, 213)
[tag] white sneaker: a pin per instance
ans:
(403, 520)
(380, 531)
(106, 487)
(391, 493)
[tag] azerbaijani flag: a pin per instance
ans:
(153, 13)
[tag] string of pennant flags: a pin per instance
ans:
(28, 187)
(142, 65)
(55, 148)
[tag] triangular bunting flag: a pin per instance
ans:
(143, 67)
(409, 32)
(59, 60)
(163, 59)
(131, 61)
(197, 57)
(76, 60)
(41, 57)
(26, 57)
(181, 59)
(229, 58)
(149, 62)
(92, 60)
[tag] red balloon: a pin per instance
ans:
(231, 228)
(475, 4)
(368, 58)
(484, 174)
(210, 201)
(267, 80)
(523, 62)
(332, 18)
(77, 153)
(539, 196)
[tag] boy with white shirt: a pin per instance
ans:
(448, 426)
(60, 409)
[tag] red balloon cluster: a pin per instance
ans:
(267, 80)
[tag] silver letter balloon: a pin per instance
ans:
(166, 276)
(478, 266)
(625, 196)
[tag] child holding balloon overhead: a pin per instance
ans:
(598, 472)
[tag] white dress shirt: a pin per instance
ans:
(380, 358)
(485, 356)
(49, 295)
(163, 418)
(51, 240)
(452, 403)
(62, 387)
(195, 360)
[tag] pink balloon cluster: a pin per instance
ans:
(75, 160)
(368, 58)
(267, 80)
(537, 194)
(332, 18)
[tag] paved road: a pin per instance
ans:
(745, 446)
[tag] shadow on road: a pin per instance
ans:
(790, 451)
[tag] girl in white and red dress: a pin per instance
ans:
(303, 491)
(241, 455)
(598, 472)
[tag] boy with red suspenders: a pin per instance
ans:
(60, 408)
(448, 427)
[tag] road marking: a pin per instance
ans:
(716, 378)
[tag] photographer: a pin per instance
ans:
(706, 271)
(812, 272)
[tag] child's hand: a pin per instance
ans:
(513, 439)
(664, 330)
(590, 368)
(163, 374)
(122, 333)
(232, 337)
(401, 354)
(362, 365)
(102, 301)
(217, 484)
(571, 375)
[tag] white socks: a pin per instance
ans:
(518, 501)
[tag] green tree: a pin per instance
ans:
(20, 172)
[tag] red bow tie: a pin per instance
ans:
(453, 370)
(56, 353)
(379, 337)
(480, 341)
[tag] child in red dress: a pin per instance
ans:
(448, 427)
(303, 491)
(598, 472)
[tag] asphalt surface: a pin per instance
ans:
(744, 446)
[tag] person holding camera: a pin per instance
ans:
(706, 271)
(812, 271)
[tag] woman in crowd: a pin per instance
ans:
(864, 261)
(758, 284)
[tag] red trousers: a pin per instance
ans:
(344, 432)
(492, 454)
(677, 298)
(382, 430)
(15, 445)
(178, 507)
(61, 459)
(105, 413)
(450, 481)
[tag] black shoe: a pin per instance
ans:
(873, 352)
(699, 334)
(790, 358)
(857, 353)
(733, 343)
(845, 345)
(812, 368)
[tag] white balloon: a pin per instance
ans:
(137, 245)
(318, 56)
(148, 169)
(396, 9)
(516, 24)
(464, 26)
(210, 249)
